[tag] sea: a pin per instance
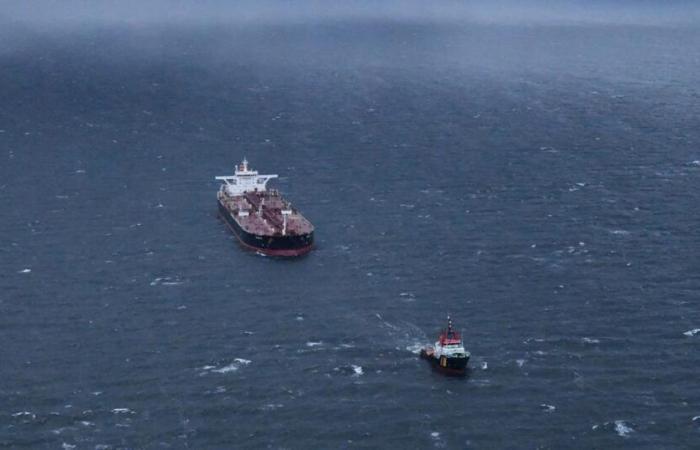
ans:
(536, 182)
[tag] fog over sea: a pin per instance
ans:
(532, 171)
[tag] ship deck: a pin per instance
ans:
(264, 216)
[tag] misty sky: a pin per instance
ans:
(47, 13)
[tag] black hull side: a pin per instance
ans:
(449, 366)
(270, 245)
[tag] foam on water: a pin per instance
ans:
(166, 281)
(233, 367)
(622, 428)
(271, 406)
(415, 348)
(620, 232)
(358, 370)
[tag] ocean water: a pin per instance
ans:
(538, 183)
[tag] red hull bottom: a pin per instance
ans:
(285, 253)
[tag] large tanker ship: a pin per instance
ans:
(260, 218)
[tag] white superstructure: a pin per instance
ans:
(450, 343)
(244, 180)
(451, 350)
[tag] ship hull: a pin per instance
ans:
(448, 366)
(287, 246)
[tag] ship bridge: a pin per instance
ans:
(245, 180)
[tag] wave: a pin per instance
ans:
(622, 428)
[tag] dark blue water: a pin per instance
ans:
(540, 184)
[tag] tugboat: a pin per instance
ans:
(448, 355)
(260, 218)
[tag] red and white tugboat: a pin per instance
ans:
(448, 355)
(259, 217)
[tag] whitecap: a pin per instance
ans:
(696, 418)
(692, 332)
(25, 271)
(435, 435)
(24, 413)
(226, 369)
(234, 366)
(66, 446)
(484, 365)
(587, 340)
(548, 408)
(357, 369)
(415, 348)
(314, 344)
(520, 362)
(122, 411)
(622, 428)
(385, 322)
(620, 232)
(271, 406)
(166, 281)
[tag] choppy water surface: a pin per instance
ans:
(538, 183)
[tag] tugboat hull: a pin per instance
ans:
(446, 365)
